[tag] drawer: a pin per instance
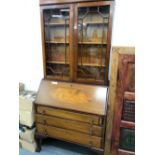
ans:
(88, 118)
(70, 124)
(68, 135)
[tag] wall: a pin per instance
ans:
(30, 69)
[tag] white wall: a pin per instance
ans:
(30, 69)
(124, 23)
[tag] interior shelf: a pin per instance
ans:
(92, 43)
(58, 62)
(79, 64)
(54, 77)
(91, 65)
(90, 80)
(127, 124)
(56, 42)
(56, 24)
(67, 24)
(82, 43)
(125, 152)
(95, 23)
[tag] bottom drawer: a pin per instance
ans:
(68, 135)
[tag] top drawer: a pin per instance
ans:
(88, 118)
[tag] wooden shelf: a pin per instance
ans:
(58, 62)
(81, 43)
(91, 65)
(57, 77)
(84, 64)
(56, 42)
(125, 152)
(127, 124)
(130, 96)
(95, 23)
(90, 80)
(67, 24)
(92, 43)
(56, 24)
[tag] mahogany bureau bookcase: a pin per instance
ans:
(120, 135)
(71, 103)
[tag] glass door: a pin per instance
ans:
(56, 34)
(92, 32)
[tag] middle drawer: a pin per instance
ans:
(70, 124)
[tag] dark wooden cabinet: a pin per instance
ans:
(76, 39)
(71, 103)
(121, 126)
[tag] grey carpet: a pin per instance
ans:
(55, 147)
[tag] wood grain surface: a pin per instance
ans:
(66, 114)
(78, 97)
(72, 136)
(70, 125)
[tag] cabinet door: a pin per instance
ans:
(92, 35)
(56, 26)
(123, 136)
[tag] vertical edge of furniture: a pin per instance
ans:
(111, 101)
(112, 3)
(121, 56)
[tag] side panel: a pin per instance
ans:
(123, 124)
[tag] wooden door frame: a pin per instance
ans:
(121, 89)
(42, 8)
(109, 34)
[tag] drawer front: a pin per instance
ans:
(92, 119)
(70, 124)
(71, 136)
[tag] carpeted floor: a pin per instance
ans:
(55, 147)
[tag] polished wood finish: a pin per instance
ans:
(43, 42)
(124, 92)
(124, 152)
(111, 102)
(86, 128)
(67, 111)
(78, 97)
(96, 3)
(47, 2)
(66, 114)
(76, 112)
(107, 59)
(73, 7)
(71, 40)
(69, 135)
(130, 96)
(109, 33)
(127, 124)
